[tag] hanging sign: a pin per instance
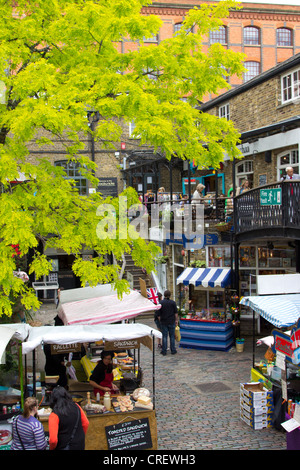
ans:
(65, 348)
(131, 435)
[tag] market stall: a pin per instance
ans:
(101, 304)
(138, 416)
(279, 372)
(209, 327)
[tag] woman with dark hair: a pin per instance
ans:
(102, 376)
(28, 432)
(67, 423)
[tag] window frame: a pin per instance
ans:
(248, 41)
(290, 86)
(245, 75)
(293, 160)
(224, 111)
(220, 33)
(66, 165)
(278, 30)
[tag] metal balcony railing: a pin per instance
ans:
(253, 212)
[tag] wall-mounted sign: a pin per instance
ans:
(108, 187)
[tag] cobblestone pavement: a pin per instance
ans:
(197, 398)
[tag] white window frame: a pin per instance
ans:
(290, 86)
(244, 174)
(291, 160)
(224, 111)
(131, 130)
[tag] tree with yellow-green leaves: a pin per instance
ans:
(59, 62)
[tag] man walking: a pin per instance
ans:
(168, 318)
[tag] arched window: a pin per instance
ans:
(253, 69)
(73, 172)
(284, 37)
(218, 36)
(251, 36)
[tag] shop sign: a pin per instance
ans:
(282, 344)
(131, 435)
(120, 345)
(65, 348)
(270, 197)
(108, 187)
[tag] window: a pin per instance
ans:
(224, 111)
(284, 37)
(251, 36)
(290, 86)
(131, 131)
(244, 170)
(73, 171)
(177, 28)
(253, 69)
(153, 38)
(288, 158)
(218, 36)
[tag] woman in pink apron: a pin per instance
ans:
(102, 376)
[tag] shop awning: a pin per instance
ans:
(10, 331)
(281, 311)
(205, 277)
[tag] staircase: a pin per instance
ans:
(132, 273)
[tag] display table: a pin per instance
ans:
(100, 424)
(206, 334)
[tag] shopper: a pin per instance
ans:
(27, 431)
(168, 318)
(67, 422)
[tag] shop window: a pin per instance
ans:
(290, 86)
(251, 36)
(289, 158)
(218, 36)
(219, 256)
(253, 69)
(73, 171)
(284, 37)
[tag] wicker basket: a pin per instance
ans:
(223, 227)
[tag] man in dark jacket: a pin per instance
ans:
(168, 318)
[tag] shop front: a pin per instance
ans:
(206, 325)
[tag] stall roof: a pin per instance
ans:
(70, 334)
(281, 311)
(11, 330)
(100, 304)
(205, 277)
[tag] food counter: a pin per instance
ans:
(128, 424)
(203, 333)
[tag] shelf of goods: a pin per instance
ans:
(206, 334)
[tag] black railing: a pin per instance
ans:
(252, 213)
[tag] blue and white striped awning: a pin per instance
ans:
(205, 277)
(281, 311)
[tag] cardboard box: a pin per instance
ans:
(256, 424)
(257, 410)
(256, 394)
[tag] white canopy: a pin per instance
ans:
(100, 304)
(8, 331)
(85, 334)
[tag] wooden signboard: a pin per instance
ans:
(65, 348)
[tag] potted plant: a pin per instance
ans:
(239, 343)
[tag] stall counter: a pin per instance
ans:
(206, 334)
(96, 438)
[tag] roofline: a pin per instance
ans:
(264, 76)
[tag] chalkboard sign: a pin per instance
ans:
(130, 435)
(108, 187)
